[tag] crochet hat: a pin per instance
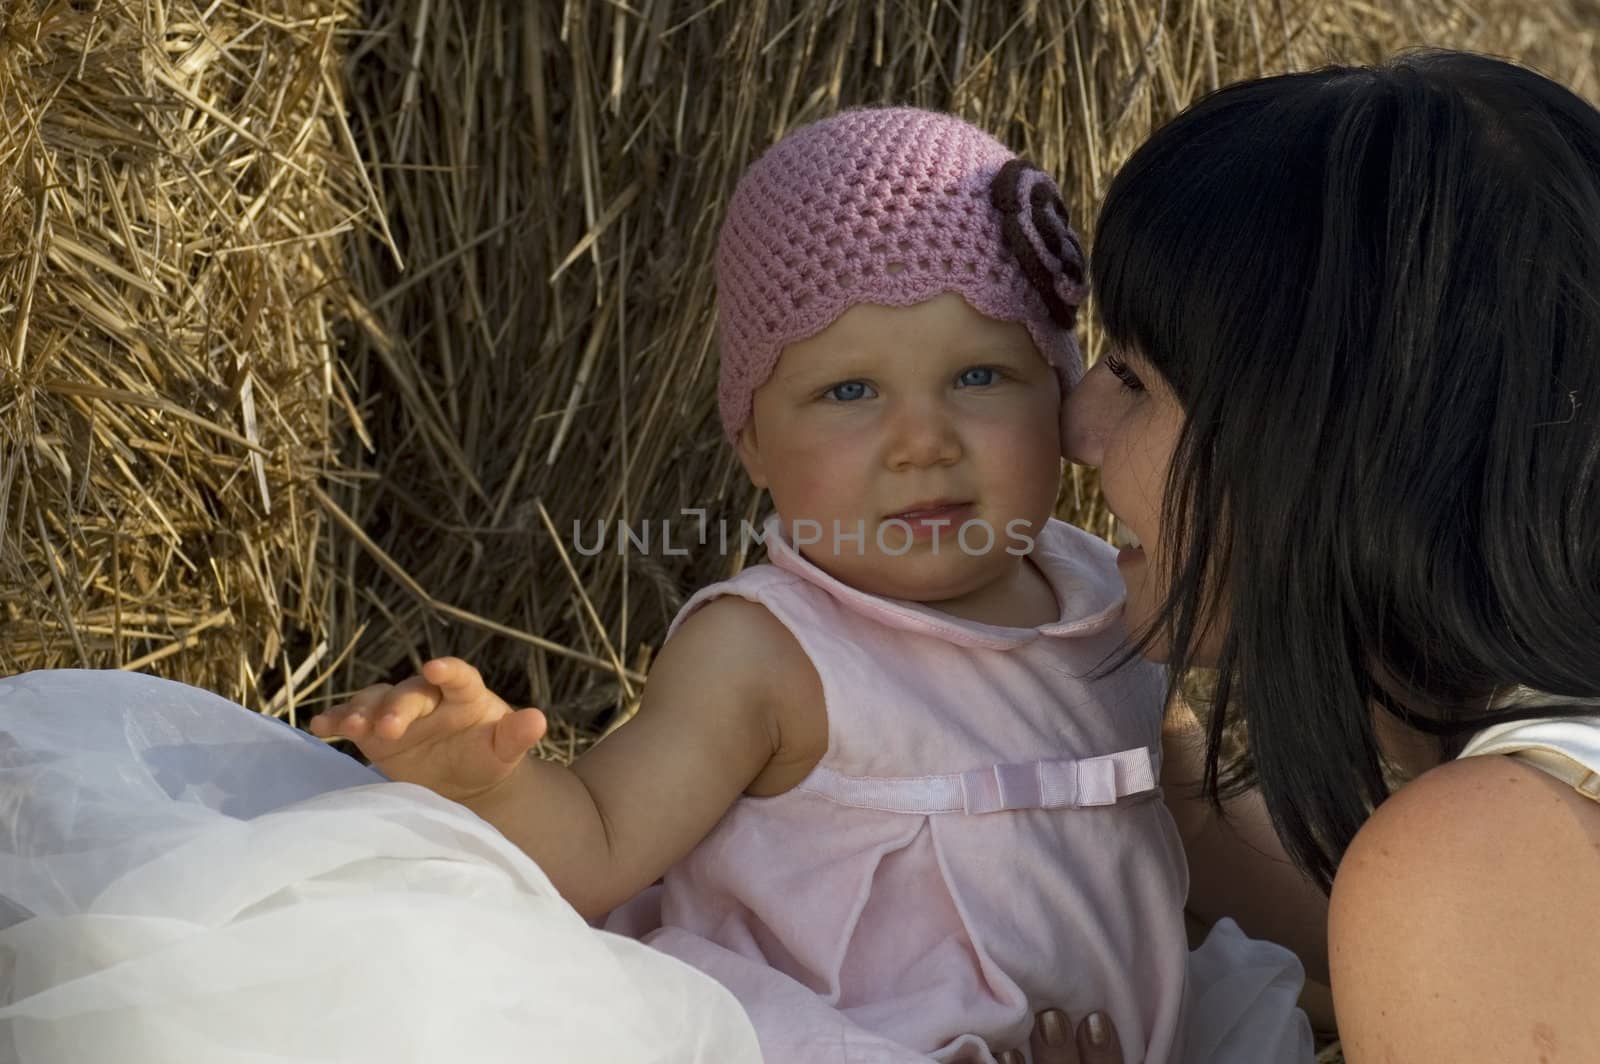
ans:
(890, 206)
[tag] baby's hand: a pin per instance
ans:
(442, 729)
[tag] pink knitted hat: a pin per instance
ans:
(891, 206)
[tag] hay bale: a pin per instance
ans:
(555, 173)
(174, 192)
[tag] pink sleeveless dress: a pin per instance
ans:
(983, 838)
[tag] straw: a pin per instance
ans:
(174, 202)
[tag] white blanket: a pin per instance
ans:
(182, 880)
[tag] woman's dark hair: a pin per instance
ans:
(1376, 294)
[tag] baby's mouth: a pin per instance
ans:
(951, 510)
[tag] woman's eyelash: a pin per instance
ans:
(1119, 369)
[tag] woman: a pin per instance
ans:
(1351, 410)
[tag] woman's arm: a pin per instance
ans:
(1466, 920)
(1237, 867)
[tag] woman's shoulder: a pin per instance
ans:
(1462, 921)
(1469, 809)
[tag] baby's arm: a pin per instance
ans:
(725, 700)
(732, 704)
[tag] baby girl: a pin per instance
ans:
(885, 787)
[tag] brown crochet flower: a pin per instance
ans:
(1034, 221)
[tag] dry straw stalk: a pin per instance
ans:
(175, 194)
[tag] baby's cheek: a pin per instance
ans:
(1032, 449)
(814, 486)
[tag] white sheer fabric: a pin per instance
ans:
(1242, 1006)
(183, 880)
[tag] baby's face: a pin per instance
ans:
(893, 419)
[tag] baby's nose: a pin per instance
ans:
(923, 435)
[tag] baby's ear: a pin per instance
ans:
(748, 449)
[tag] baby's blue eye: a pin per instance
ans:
(848, 391)
(977, 376)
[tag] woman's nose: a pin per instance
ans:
(1083, 416)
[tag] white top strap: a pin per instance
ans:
(1566, 747)
(1071, 783)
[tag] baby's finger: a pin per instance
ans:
(1011, 1056)
(405, 703)
(327, 724)
(459, 681)
(349, 719)
(517, 733)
